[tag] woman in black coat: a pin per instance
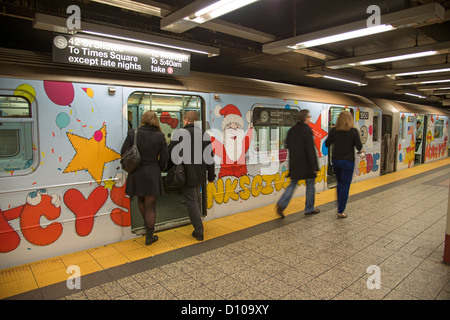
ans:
(145, 182)
(302, 163)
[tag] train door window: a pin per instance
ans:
(271, 126)
(169, 108)
(16, 146)
(402, 127)
(438, 129)
(375, 128)
(386, 125)
(334, 113)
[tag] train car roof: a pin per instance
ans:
(25, 64)
(392, 106)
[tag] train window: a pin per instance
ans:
(271, 126)
(375, 128)
(14, 106)
(438, 129)
(170, 109)
(386, 125)
(16, 146)
(334, 113)
(402, 127)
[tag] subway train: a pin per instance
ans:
(62, 129)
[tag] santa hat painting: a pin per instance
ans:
(230, 114)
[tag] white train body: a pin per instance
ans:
(61, 183)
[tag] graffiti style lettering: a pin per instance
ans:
(370, 164)
(118, 216)
(48, 206)
(435, 151)
(30, 216)
(375, 166)
(9, 239)
(85, 209)
(242, 188)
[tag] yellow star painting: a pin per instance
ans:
(91, 154)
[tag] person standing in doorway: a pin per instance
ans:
(302, 163)
(195, 167)
(146, 182)
(345, 137)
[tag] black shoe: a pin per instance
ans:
(150, 238)
(199, 238)
(313, 212)
(280, 212)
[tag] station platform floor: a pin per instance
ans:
(396, 223)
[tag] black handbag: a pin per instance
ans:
(131, 158)
(176, 176)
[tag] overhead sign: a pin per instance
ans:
(100, 53)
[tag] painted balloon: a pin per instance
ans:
(60, 93)
(27, 91)
(62, 120)
(98, 136)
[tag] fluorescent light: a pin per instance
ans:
(415, 95)
(410, 71)
(133, 6)
(337, 77)
(416, 16)
(396, 58)
(143, 42)
(342, 36)
(393, 55)
(422, 72)
(433, 87)
(198, 12)
(428, 80)
(217, 9)
(345, 80)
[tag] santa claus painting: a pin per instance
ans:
(235, 143)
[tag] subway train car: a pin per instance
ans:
(412, 134)
(62, 128)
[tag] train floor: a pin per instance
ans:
(390, 247)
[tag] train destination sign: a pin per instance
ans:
(100, 53)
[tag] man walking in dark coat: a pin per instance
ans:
(302, 163)
(196, 163)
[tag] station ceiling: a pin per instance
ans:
(244, 35)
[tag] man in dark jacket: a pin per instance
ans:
(302, 163)
(197, 158)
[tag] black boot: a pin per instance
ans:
(150, 237)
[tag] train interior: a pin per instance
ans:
(170, 109)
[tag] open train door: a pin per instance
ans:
(171, 209)
(420, 138)
(333, 113)
(388, 145)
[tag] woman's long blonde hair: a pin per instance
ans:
(150, 118)
(344, 121)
